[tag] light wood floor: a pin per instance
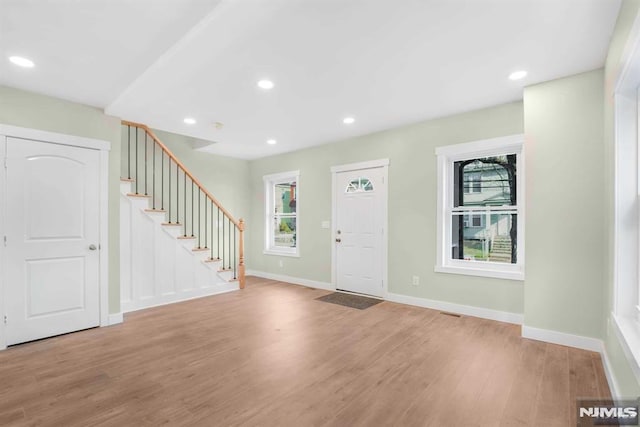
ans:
(271, 355)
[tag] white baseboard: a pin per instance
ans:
(485, 313)
(295, 280)
(561, 338)
(116, 318)
(467, 310)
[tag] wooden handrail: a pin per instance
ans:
(185, 170)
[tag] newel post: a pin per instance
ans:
(241, 255)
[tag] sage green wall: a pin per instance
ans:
(627, 383)
(565, 243)
(226, 178)
(30, 110)
(412, 206)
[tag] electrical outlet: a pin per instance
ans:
(281, 263)
(415, 281)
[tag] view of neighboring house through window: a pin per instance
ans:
(479, 208)
(479, 231)
(281, 231)
(473, 221)
(473, 183)
(284, 215)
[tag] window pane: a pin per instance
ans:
(285, 197)
(485, 181)
(484, 237)
(284, 232)
(359, 185)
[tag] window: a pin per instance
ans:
(359, 185)
(480, 223)
(282, 231)
(625, 316)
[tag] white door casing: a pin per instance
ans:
(54, 199)
(359, 238)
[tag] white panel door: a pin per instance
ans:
(52, 281)
(359, 231)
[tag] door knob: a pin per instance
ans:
(338, 240)
(92, 247)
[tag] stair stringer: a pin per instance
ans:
(156, 266)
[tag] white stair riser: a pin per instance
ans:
(125, 187)
(140, 203)
(201, 255)
(159, 217)
(214, 265)
(172, 230)
(188, 243)
(226, 275)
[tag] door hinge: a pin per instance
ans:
(5, 319)
(5, 240)
(5, 162)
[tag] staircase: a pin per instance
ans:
(500, 249)
(177, 241)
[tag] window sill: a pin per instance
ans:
(468, 271)
(628, 332)
(281, 253)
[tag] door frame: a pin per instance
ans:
(7, 131)
(371, 164)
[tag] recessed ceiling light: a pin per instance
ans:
(272, 141)
(190, 120)
(348, 120)
(22, 62)
(517, 75)
(265, 84)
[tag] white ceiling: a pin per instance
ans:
(384, 62)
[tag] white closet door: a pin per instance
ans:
(52, 281)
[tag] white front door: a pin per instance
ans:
(359, 230)
(52, 270)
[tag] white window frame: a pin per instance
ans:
(626, 234)
(446, 156)
(270, 181)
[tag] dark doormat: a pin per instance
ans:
(348, 300)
